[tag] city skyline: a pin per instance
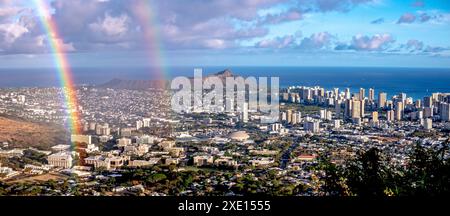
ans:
(408, 33)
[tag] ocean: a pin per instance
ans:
(415, 82)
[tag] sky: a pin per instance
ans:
(135, 33)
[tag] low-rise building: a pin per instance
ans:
(203, 160)
(108, 162)
(60, 159)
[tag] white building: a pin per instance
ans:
(107, 162)
(81, 138)
(337, 124)
(427, 124)
(245, 113)
(60, 148)
(60, 159)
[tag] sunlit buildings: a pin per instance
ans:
(60, 159)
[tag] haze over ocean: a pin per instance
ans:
(416, 82)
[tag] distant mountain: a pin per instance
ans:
(134, 84)
(224, 74)
(154, 84)
(221, 75)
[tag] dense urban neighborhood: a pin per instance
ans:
(325, 142)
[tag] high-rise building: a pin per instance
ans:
(427, 124)
(347, 93)
(299, 116)
(427, 101)
(399, 111)
(337, 108)
(312, 126)
(348, 108)
(289, 116)
(402, 97)
(418, 104)
(362, 109)
(356, 109)
(390, 115)
(283, 116)
(285, 96)
(382, 99)
(336, 93)
(375, 116)
(371, 94)
(428, 112)
(419, 114)
(444, 111)
(245, 113)
(362, 94)
(294, 118)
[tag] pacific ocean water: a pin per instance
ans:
(415, 82)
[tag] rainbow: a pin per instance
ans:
(153, 47)
(146, 16)
(61, 63)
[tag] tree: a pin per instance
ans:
(366, 175)
(334, 184)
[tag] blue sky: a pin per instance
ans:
(112, 33)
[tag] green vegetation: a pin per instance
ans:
(426, 174)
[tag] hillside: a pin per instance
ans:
(21, 133)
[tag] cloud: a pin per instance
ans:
(435, 49)
(111, 26)
(377, 21)
(407, 18)
(414, 45)
(277, 43)
(108, 25)
(200, 24)
(424, 17)
(288, 16)
(8, 11)
(316, 41)
(378, 42)
(10, 32)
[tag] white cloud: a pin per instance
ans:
(10, 32)
(111, 26)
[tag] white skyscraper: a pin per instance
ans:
(245, 113)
